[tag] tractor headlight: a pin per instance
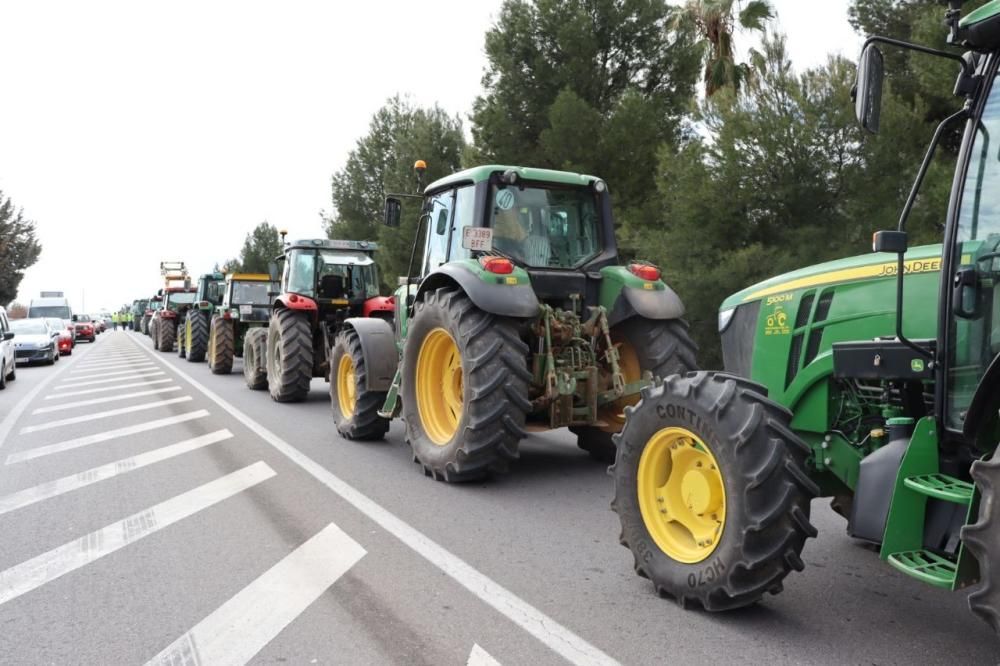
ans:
(725, 316)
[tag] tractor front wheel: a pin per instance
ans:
(196, 336)
(983, 540)
(220, 346)
(167, 331)
(465, 387)
(254, 363)
(355, 408)
(661, 347)
(711, 491)
(155, 334)
(289, 355)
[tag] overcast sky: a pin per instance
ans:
(135, 132)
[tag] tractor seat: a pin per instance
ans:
(331, 286)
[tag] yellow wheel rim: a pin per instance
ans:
(439, 386)
(346, 386)
(628, 362)
(682, 495)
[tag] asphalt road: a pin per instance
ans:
(152, 511)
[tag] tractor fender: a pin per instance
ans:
(378, 304)
(378, 348)
(501, 299)
(651, 304)
(295, 302)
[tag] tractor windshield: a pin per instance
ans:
(252, 293)
(181, 298)
(975, 328)
(337, 274)
(557, 227)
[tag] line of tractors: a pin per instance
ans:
(872, 380)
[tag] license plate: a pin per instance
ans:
(246, 310)
(477, 238)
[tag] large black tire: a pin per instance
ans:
(167, 331)
(220, 346)
(198, 323)
(3, 374)
(765, 519)
(255, 358)
(664, 348)
(154, 326)
(289, 355)
(983, 541)
(494, 389)
(361, 420)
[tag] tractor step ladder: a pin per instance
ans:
(923, 564)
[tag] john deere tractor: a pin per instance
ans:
(874, 381)
(322, 283)
(519, 318)
(245, 306)
(193, 341)
(139, 307)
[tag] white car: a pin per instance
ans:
(35, 340)
(8, 371)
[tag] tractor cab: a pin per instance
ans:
(328, 276)
(211, 287)
(248, 296)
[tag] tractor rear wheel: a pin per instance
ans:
(154, 334)
(663, 348)
(167, 333)
(196, 338)
(254, 363)
(220, 346)
(355, 408)
(983, 540)
(465, 387)
(289, 355)
(711, 490)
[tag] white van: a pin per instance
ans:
(8, 371)
(50, 306)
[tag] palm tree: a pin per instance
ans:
(716, 21)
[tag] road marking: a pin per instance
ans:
(50, 489)
(138, 375)
(32, 574)
(554, 635)
(31, 454)
(49, 425)
(480, 657)
(59, 396)
(7, 424)
(98, 401)
(110, 366)
(241, 627)
(139, 368)
(115, 358)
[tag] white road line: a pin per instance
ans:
(7, 424)
(558, 638)
(138, 375)
(59, 396)
(237, 630)
(115, 358)
(28, 496)
(480, 657)
(110, 366)
(98, 401)
(31, 574)
(31, 454)
(49, 425)
(138, 368)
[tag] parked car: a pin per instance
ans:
(84, 327)
(99, 326)
(35, 340)
(8, 365)
(67, 334)
(50, 306)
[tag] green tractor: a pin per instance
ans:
(322, 282)
(138, 310)
(520, 318)
(245, 307)
(874, 381)
(193, 343)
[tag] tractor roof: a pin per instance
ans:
(330, 244)
(248, 277)
(213, 276)
(481, 173)
(923, 258)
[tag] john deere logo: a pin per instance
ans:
(917, 365)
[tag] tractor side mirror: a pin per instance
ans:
(889, 241)
(393, 212)
(868, 89)
(272, 271)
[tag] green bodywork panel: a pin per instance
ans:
(987, 11)
(481, 173)
(516, 277)
(616, 279)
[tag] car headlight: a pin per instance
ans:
(725, 316)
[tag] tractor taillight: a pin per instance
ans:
(293, 298)
(645, 271)
(497, 265)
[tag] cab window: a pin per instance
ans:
(439, 209)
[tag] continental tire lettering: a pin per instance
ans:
(686, 415)
(707, 575)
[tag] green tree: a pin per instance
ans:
(717, 22)
(19, 248)
(382, 162)
(260, 248)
